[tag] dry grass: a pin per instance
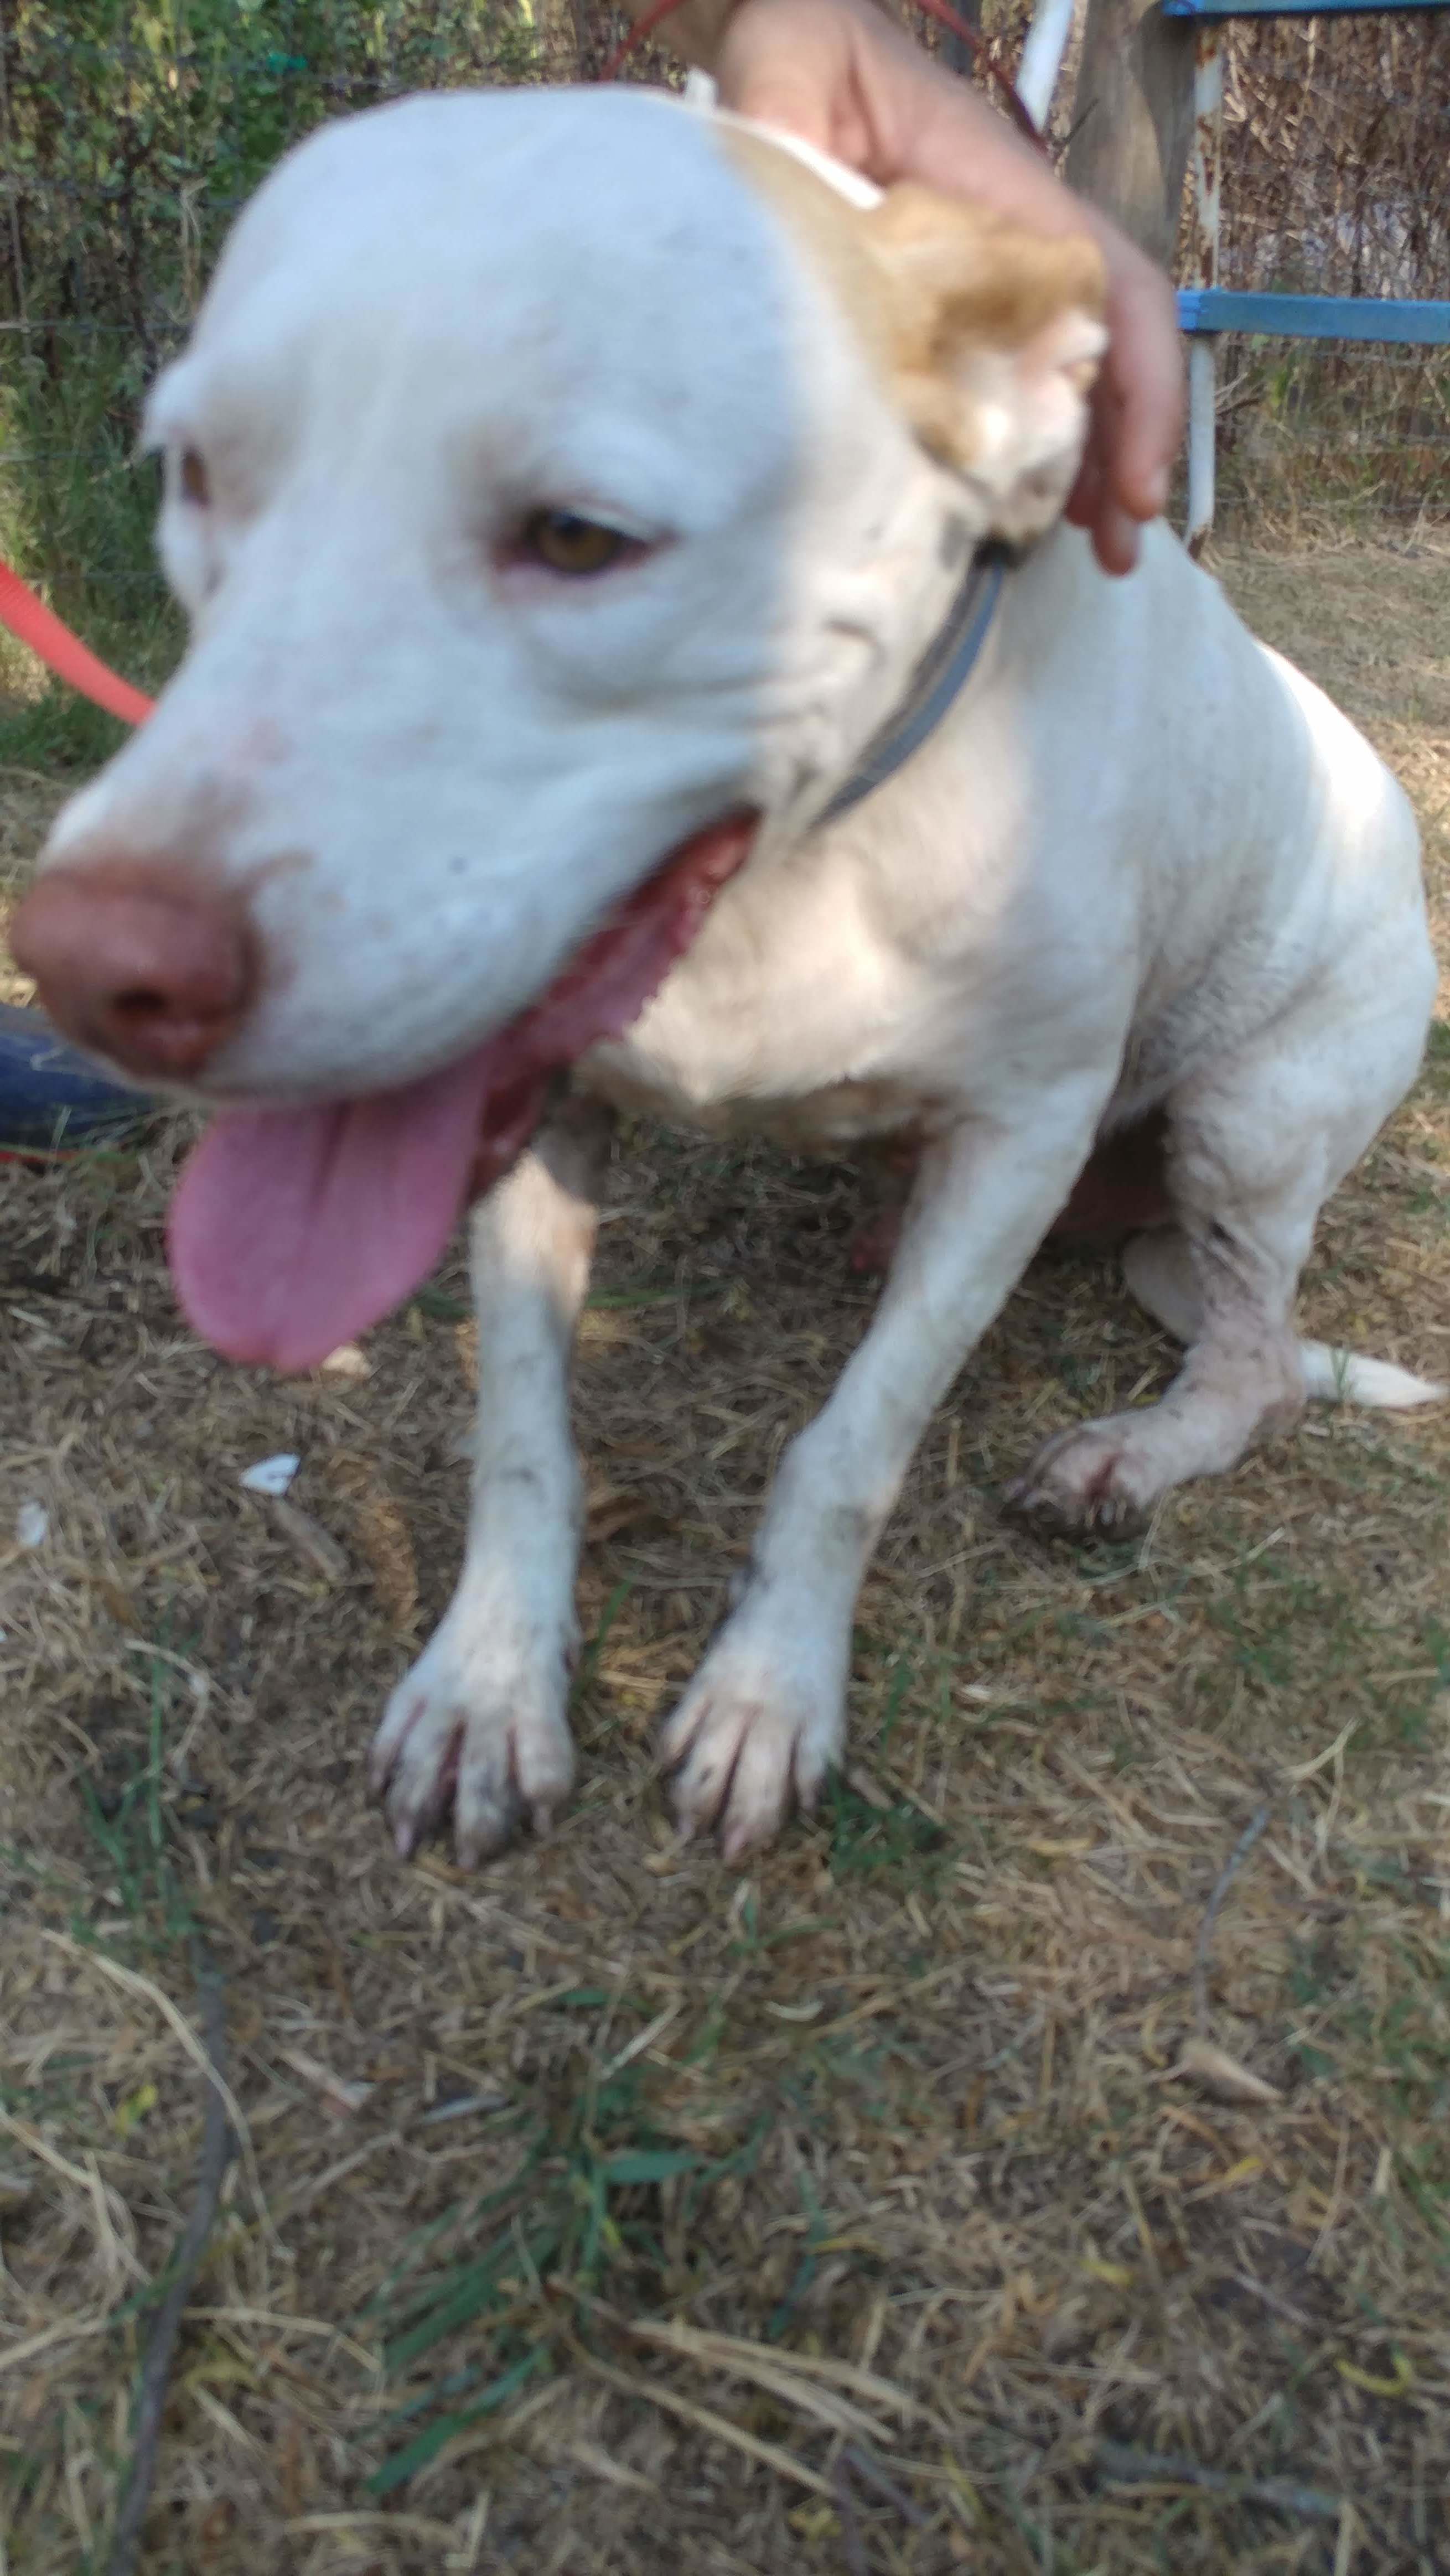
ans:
(866, 2214)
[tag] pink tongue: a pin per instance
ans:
(294, 1229)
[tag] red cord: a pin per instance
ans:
(40, 628)
(642, 28)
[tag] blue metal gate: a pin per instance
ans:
(1204, 308)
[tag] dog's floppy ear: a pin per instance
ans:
(996, 336)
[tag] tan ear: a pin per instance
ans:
(996, 336)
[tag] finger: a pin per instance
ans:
(1142, 411)
(798, 85)
(1085, 498)
(840, 74)
(1116, 535)
(1094, 506)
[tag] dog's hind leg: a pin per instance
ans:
(1254, 1149)
(480, 1723)
(1158, 1268)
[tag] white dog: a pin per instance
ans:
(570, 494)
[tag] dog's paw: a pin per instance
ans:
(1098, 1481)
(757, 1730)
(479, 1730)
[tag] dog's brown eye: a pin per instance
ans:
(194, 484)
(569, 544)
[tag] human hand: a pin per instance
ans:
(844, 78)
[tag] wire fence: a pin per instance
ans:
(131, 130)
(1336, 182)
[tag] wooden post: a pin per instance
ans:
(1133, 119)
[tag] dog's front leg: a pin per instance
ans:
(480, 1723)
(762, 1720)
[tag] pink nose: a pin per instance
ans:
(139, 962)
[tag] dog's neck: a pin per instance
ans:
(990, 425)
(937, 682)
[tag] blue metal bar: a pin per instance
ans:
(1315, 317)
(1296, 8)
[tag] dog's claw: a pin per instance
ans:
(465, 1734)
(753, 1735)
(1073, 1488)
(484, 1835)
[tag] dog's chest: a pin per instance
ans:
(824, 1121)
(795, 1015)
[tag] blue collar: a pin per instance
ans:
(940, 676)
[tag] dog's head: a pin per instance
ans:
(562, 487)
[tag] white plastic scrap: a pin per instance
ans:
(272, 1475)
(346, 1361)
(32, 1525)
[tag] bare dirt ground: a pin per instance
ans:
(877, 2211)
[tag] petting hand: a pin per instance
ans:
(840, 75)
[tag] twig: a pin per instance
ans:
(851, 2541)
(1226, 1877)
(1128, 2467)
(217, 2145)
(1271, 2299)
(718, 2427)
(868, 2467)
(135, 1983)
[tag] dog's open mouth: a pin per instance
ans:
(294, 1229)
